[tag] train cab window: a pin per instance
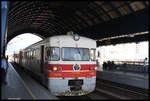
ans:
(75, 54)
(52, 54)
(93, 54)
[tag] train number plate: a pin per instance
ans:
(75, 82)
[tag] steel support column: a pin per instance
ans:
(4, 11)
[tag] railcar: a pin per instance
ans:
(66, 64)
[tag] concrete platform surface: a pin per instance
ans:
(140, 80)
(17, 88)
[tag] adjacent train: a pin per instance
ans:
(66, 64)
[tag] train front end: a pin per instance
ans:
(72, 66)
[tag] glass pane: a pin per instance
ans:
(75, 54)
(93, 54)
(99, 10)
(118, 4)
(92, 5)
(37, 54)
(124, 10)
(137, 6)
(99, 2)
(89, 22)
(79, 20)
(79, 13)
(104, 17)
(113, 14)
(107, 7)
(52, 54)
(147, 2)
(96, 20)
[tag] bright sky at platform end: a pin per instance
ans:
(21, 41)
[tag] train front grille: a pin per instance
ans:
(77, 82)
(75, 85)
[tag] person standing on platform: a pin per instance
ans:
(145, 70)
(104, 65)
(97, 64)
(4, 67)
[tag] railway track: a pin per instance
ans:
(111, 90)
(121, 91)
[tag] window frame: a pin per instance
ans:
(46, 53)
(95, 54)
(74, 60)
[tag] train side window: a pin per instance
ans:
(27, 54)
(37, 54)
(31, 54)
(46, 51)
(52, 53)
(34, 54)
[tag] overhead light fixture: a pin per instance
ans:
(76, 37)
(123, 36)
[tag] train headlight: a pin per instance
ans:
(95, 68)
(76, 37)
(55, 68)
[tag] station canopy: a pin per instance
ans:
(93, 19)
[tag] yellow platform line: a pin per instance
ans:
(30, 92)
(27, 88)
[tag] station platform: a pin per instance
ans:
(140, 80)
(18, 89)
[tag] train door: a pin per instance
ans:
(43, 68)
(42, 59)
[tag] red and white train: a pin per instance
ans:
(66, 64)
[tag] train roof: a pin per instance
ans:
(62, 37)
(59, 37)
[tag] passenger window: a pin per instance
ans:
(52, 54)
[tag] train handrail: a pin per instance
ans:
(130, 62)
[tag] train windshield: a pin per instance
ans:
(52, 54)
(93, 54)
(75, 54)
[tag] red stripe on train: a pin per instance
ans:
(70, 66)
(71, 74)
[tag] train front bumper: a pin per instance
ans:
(73, 93)
(61, 87)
